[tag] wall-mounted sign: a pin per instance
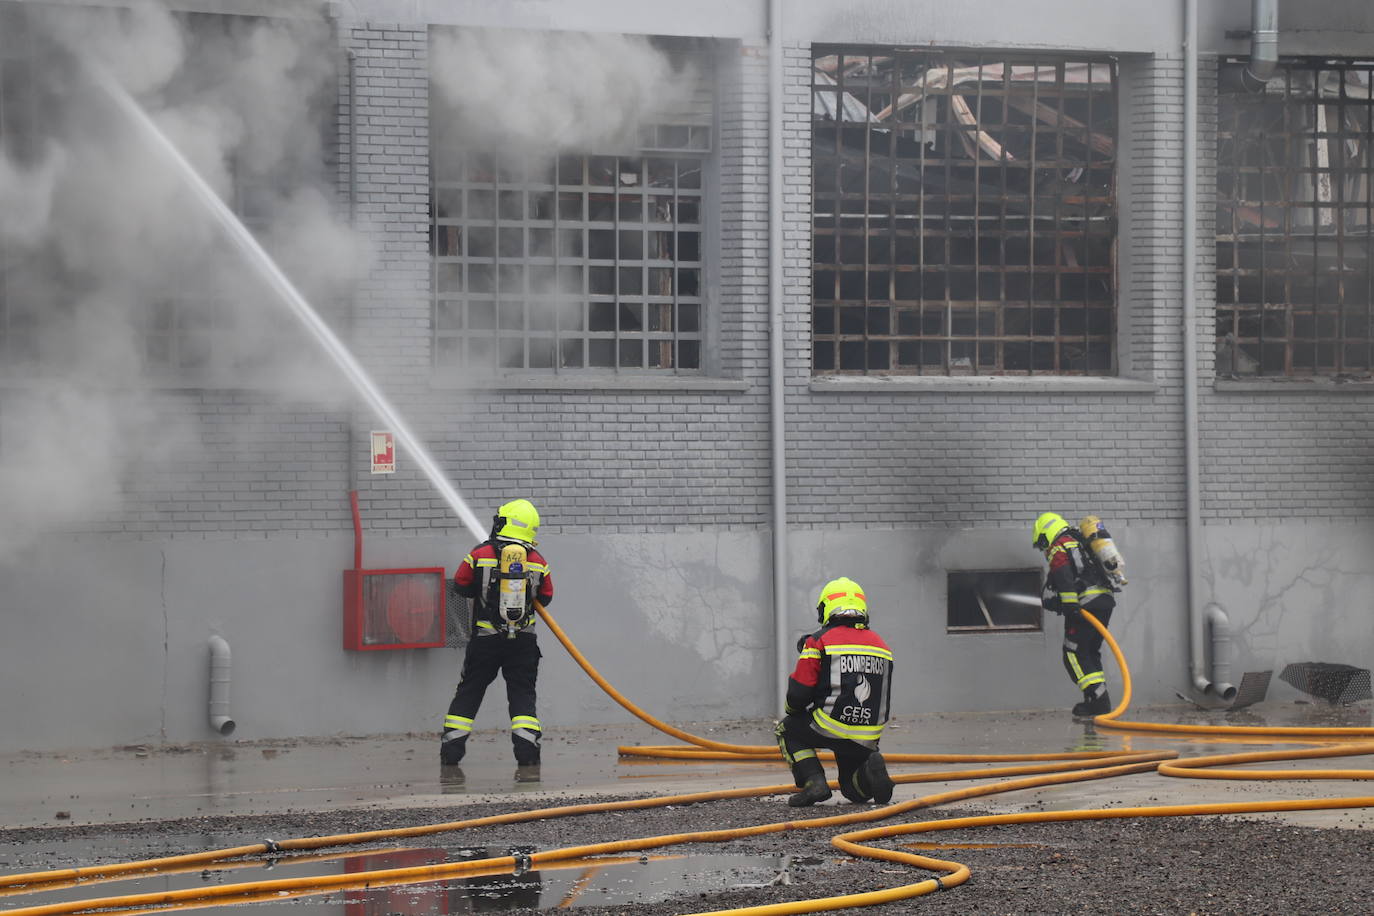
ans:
(383, 452)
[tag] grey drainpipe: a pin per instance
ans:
(775, 351)
(1196, 630)
(1208, 628)
(1264, 41)
(353, 467)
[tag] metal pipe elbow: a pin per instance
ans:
(1264, 42)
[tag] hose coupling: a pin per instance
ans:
(523, 861)
(271, 845)
(939, 885)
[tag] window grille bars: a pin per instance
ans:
(964, 213)
(1295, 202)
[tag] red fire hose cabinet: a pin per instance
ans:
(394, 608)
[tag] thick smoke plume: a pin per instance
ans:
(553, 91)
(114, 280)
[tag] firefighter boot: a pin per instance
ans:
(874, 772)
(526, 748)
(451, 750)
(810, 775)
(1095, 702)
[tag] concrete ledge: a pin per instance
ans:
(1293, 386)
(614, 383)
(991, 384)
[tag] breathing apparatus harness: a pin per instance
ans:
(512, 587)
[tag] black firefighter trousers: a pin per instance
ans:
(517, 659)
(1083, 647)
(799, 741)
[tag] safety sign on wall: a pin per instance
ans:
(383, 452)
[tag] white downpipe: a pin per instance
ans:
(778, 433)
(220, 720)
(1218, 628)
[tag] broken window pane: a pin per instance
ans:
(955, 194)
(1295, 291)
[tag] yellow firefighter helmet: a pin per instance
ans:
(1047, 527)
(842, 597)
(517, 520)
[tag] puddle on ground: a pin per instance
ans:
(601, 881)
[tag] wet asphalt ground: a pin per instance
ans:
(142, 802)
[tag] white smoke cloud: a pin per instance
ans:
(26, 193)
(565, 91)
(98, 234)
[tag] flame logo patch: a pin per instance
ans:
(862, 691)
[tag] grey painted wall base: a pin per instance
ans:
(106, 642)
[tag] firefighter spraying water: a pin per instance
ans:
(503, 576)
(1079, 580)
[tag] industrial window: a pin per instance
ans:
(1295, 205)
(964, 213)
(994, 601)
(570, 262)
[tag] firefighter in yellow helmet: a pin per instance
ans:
(1073, 583)
(838, 697)
(503, 576)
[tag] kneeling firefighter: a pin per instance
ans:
(503, 576)
(1074, 582)
(839, 697)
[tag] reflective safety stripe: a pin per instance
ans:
(845, 730)
(485, 562)
(1091, 593)
(1062, 546)
(805, 753)
(457, 723)
(811, 653)
(1087, 680)
(835, 649)
(494, 629)
(1081, 678)
(526, 722)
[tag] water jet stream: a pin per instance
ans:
(1014, 598)
(243, 239)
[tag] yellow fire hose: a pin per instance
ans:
(1105, 765)
(706, 749)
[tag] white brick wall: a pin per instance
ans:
(660, 458)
